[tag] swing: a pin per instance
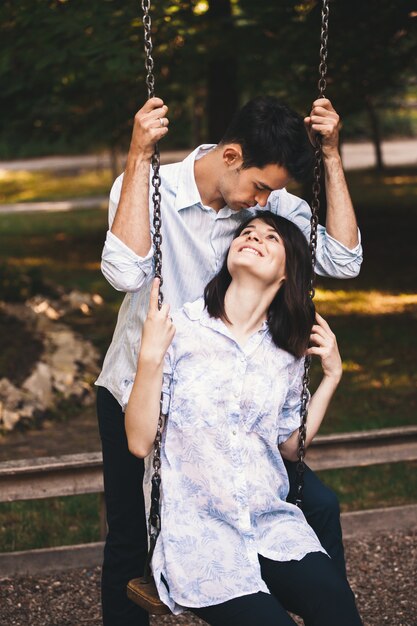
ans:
(143, 590)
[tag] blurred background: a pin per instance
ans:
(72, 77)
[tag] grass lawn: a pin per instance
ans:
(373, 316)
(50, 522)
(22, 186)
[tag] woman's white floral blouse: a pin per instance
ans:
(224, 484)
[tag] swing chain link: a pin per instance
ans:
(323, 48)
(149, 63)
(156, 162)
(315, 206)
(154, 522)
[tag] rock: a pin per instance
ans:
(39, 385)
(8, 419)
(10, 395)
(69, 363)
(76, 300)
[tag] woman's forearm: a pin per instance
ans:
(316, 411)
(142, 411)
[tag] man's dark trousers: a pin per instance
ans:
(126, 544)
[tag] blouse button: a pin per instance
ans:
(234, 432)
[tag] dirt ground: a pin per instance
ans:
(53, 438)
(381, 572)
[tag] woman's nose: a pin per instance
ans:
(253, 235)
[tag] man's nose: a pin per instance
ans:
(262, 198)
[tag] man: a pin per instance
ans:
(204, 198)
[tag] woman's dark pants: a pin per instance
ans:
(311, 588)
(126, 542)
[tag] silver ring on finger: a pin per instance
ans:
(161, 121)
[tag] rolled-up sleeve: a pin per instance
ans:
(125, 270)
(121, 267)
(333, 259)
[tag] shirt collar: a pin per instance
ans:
(197, 311)
(187, 191)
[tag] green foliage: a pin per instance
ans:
(72, 73)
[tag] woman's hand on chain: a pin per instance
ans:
(324, 345)
(158, 329)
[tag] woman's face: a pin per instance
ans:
(258, 251)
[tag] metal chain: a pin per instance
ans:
(156, 179)
(315, 205)
(154, 522)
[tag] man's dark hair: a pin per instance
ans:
(291, 313)
(270, 132)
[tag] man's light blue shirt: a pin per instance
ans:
(195, 240)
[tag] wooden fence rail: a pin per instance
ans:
(77, 474)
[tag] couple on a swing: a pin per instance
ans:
(232, 548)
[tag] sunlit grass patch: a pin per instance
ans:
(369, 187)
(24, 186)
(379, 384)
(371, 302)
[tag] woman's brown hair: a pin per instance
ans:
(291, 313)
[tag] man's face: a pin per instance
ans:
(244, 188)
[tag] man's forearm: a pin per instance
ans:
(341, 222)
(131, 223)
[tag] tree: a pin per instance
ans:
(72, 73)
(372, 49)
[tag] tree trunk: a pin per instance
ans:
(222, 101)
(375, 132)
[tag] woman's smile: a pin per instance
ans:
(251, 250)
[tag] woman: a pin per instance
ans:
(231, 548)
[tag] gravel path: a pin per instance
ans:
(381, 571)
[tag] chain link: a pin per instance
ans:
(315, 205)
(154, 522)
(156, 179)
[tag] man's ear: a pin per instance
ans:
(232, 155)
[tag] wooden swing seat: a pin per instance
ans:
(145, 594)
